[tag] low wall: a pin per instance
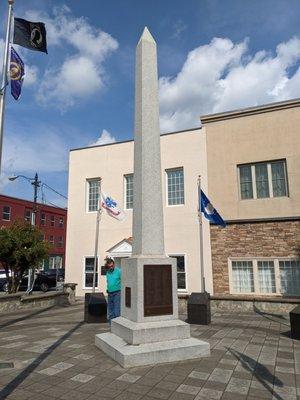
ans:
(276, 304)
(23, 301)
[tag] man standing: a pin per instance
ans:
(113, 280)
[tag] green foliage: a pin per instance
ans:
(21, 248)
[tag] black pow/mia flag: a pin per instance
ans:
(31, 35)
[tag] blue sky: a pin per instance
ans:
(213, 56)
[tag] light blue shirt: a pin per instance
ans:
(113, 279)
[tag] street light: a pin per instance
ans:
(36, 184)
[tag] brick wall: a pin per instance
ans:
(255, 239)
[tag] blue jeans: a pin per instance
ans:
(114, 305)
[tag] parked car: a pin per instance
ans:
(43, 282)
(53, 272)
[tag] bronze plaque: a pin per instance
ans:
(128, 297)
(158, 299)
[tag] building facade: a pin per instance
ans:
(52, 221)
(253, 164)
(183, 159)
(249, 162)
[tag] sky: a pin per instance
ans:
(213, 56)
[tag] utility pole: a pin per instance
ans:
(36, 184)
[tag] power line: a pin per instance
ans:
(55, 191)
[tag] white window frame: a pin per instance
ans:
(125, 192)
(270, 181)
(255, 274)
(43, 219)
(87, 192)
(185, 270)
(166, 187)
(25, 217)
(52, 241)
(61, 222)
(83, 275)
(9, 213)
(52, 216)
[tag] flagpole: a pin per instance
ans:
(99, 212)
(201, 236)
(4, 74)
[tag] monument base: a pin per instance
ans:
(150, 353)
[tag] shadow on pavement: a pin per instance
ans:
(268, 315)
(25, 317)
(259, 371)
(11, 386)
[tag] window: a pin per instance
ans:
(181, 274)
(28, 215)
(55, 262)
(52, 220)
(43, 219)
(290, 277)
(61, 222)
(265, 276)
(51, 239)
(242, 277)
(88, 272)
(175, 185)
(128, 191)
(60, 241)
(42, 237)
(263, 180)
(6, 213)
(93, 194)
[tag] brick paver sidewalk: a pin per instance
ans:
(53, 357)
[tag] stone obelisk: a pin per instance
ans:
(148, 331)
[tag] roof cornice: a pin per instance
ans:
(244, 112)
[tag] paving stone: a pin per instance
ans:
(220, 375)
(208, 394)
(284, 369)
(75, 395)
(199, 375)
(129, 378)
(260, 394)
(49, 371)
(82, 378)
(139, 389)
(76, 346)
(188, 389)
(158, 393)
(83, 357)
(237, 385)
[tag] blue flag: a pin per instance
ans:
(17, 72)
(210, 212)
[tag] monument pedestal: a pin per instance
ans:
(149, 331)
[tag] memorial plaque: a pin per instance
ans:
(158, 299)
(128, 297)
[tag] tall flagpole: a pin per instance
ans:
(4, 74)
(99, 212)
(201, 236)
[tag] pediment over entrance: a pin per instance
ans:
(121, 249)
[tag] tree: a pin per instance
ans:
(21, 248)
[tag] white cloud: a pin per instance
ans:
(105, 138)
(81, 74)
(222, 76)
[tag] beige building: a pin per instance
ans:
(249, 161)
(253, 164)
(183, 159)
